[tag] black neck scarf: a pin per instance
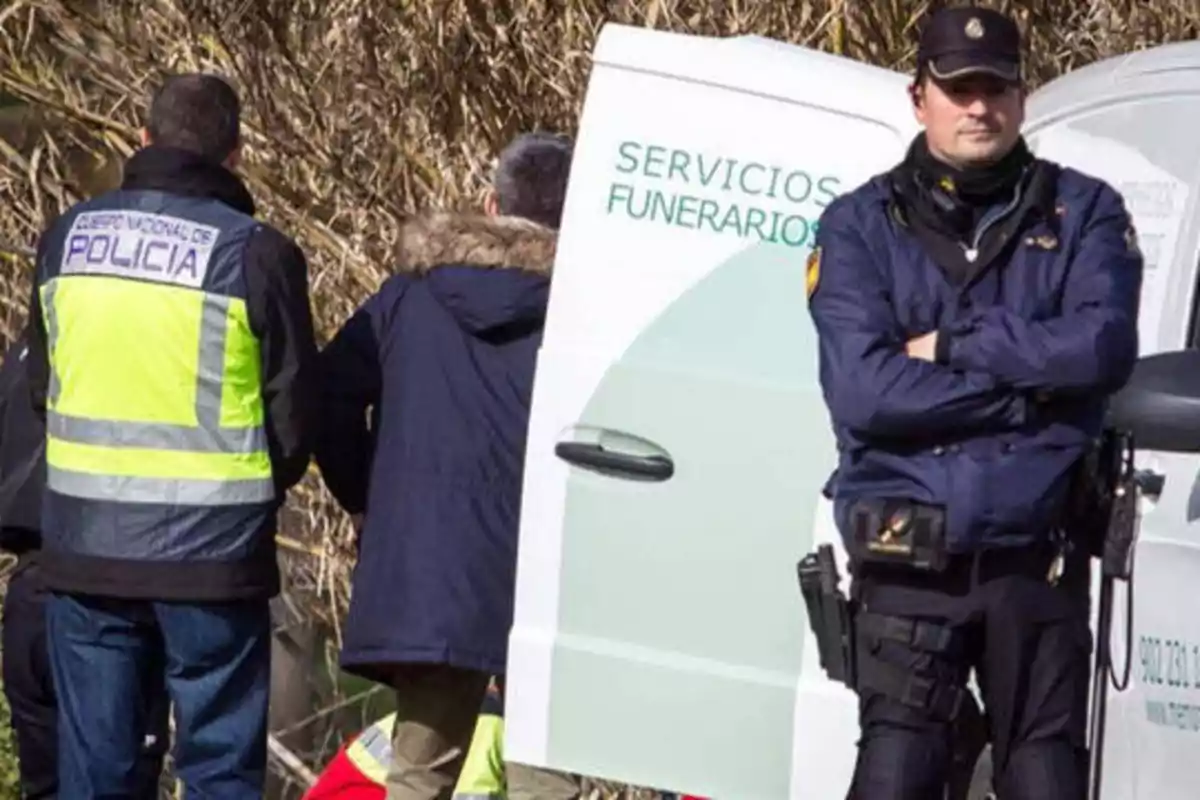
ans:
(954, 199)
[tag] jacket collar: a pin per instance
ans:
(176, 171)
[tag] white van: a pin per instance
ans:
(679, 440)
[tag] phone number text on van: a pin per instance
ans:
(748, 187)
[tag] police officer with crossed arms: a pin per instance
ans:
(975, 307)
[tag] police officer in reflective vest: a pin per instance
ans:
(172, 354)
(975, 306)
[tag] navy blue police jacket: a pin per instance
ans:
(1029, 351)
(169, 551)
(427, 391)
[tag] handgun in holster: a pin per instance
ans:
(830, 614)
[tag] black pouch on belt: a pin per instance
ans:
(898, 532)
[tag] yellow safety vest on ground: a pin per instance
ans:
(155, 447)
(482, 777)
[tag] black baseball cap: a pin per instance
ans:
(967, 40)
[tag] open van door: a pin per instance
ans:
(1131, 120)
(679, 441)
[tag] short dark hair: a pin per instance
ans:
(196, 112)
(531, 177)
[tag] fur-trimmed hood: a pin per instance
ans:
(488, 272)
(476, 240)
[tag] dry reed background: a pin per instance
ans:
(359, 112)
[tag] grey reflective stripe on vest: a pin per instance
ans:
(154, 435)
(210, 366)
(378, 743)
(182, 491)
(50, 314)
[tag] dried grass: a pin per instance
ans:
(359, 112)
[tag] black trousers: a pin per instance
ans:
(29, 688)
(1028, 642)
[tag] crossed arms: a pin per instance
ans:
(983, 371)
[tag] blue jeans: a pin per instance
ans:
(218, 657)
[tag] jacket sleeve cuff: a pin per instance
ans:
(941, 349)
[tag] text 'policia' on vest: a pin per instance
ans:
(165, 466)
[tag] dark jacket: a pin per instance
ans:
(1031, 348)
(22, 455)
(275, 276)
(443, 356)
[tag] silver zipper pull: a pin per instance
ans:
(971, 254)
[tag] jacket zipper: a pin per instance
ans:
(972, 252)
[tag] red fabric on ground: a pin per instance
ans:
(341, 780)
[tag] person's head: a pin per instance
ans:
(968, 93)
(199, 113)
(531, 179)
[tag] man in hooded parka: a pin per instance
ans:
(426, 404)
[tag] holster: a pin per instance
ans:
(849, 643)
(1090, 498)
(897, 679)
(1120, 532)
(1102, 510)
(830, 614)
(898, 532)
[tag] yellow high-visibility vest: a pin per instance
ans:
(159, 403)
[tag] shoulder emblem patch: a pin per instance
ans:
(812, 271)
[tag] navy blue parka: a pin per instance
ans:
(426, 404)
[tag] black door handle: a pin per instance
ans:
(593, 456)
